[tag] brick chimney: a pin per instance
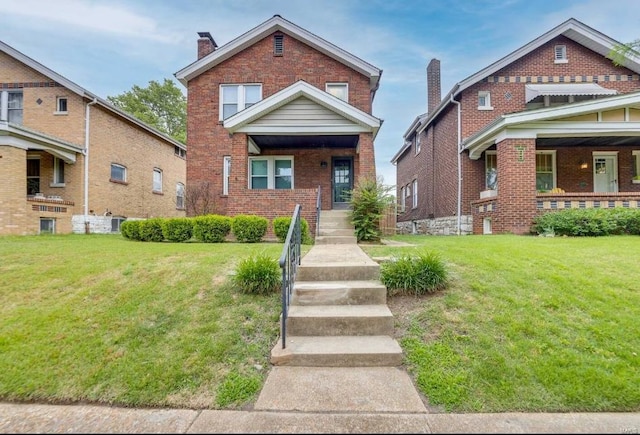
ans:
(206, 44)
(433, 85)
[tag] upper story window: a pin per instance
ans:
(278, 45)
(234, 98)
(403, 202)
(58, 172)
(61, 105)
(157, 180)
(118, 173)
(484, 100)
(180, 196)
(15, 107)
(180, 152)
(340, 90)
(560, 54)
(491, 170)
(417, 143)
(271, 172)
(415, 194)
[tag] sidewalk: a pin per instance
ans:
(32, 418)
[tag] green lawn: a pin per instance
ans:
(526, 323)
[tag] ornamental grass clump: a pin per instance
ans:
(417, 274)
(258, 274)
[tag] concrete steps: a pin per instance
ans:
(338, 315)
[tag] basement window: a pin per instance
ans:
(278, 45)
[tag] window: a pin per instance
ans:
(116, 222)
(278, 45)
(545, 170)
(226, 173)
(47, 226)
(180, 152)
(491, 170)
(415, 194)
(157, 180)
(61, 105)
(234, 98)
(402, 200)
(58, 172)
(636, 165)
(271, 172)
(560, 54)
(33, 175)
(340, 90)
(417, 143)
(484, 100)
(180, 196)
(15, 107)
(118, 173)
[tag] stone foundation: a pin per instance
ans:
(445, 226)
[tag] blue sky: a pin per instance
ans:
(108, 46)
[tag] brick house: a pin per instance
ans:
(74, 162)
(277, 117)
(553, 125)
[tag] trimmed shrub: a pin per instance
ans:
(177, 229)
(281, 228)
(249, 228)
(588, 222)
(151, 230)
(369, 200)
(414, 274)
(130, 230)
(258, 274)
(211, 228)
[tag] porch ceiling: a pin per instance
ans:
(599, 141)
(302, 141)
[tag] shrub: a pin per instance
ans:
(130, 230)
(151, 230)
(249, 228)
(418, 274)
(258, 274)
(588, 222)
(211, 228)
(281, 228)
(369, 200)
(177, 229)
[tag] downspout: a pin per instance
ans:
(86, 165)
(459, 216)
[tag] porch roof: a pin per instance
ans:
(535, 90)
(21, 137)
(550, 122)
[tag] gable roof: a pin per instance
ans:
(361, 121)
(277, 23)
(10, 51)
(550, 121)
(572, 29)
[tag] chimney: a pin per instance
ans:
(433, 85)
(206, 44)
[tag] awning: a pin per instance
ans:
(533, 91)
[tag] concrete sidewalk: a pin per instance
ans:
(32, 418)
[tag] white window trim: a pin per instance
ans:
(226, 173)
(53, 225)
(124, 172)
(418, 145)
(415, 194)
(563, 49)
(490, 153)
(153, 184)
(241, 96)
(56, 173)
(58, 111)
(180, 198)
(402, 200)
(271, 178)
(336, 84)
(487, 100)
(553, 166)
(635, 156)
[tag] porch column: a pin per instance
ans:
(366, 157)
(516, 205)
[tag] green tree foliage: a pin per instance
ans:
(368, 201)
(621, 51)
(161, 105)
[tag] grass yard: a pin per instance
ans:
(527, 323)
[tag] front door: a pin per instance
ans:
(342, 181)
(605, 173)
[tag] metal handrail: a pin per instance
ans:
(318, 207)
(289, 262)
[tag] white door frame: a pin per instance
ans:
(609, 157)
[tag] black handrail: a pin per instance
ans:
(318, 207)
(289, 261)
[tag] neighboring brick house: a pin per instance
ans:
(49, 129)
(275, 117)
(553, 125)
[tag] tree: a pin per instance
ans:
(162, 106)
(621, 51)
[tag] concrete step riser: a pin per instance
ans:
(335, 326)
(338, 273)
(335, 222)
(336, 240)
(336, 232)
(344, 296)
(345, 360)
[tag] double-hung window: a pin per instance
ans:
(545, 170)
(33, 175)
(403, 203)
(417, 143)
(180, 196)
(415, 194)
(226, 172)
(15, 107)
(157, 180)
(635, 154)
(491, 170)
(274, 172)
(234, 98)
(58, 172)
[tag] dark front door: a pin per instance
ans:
(342, 181)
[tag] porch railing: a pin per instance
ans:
(318, 207)
(289, 262)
